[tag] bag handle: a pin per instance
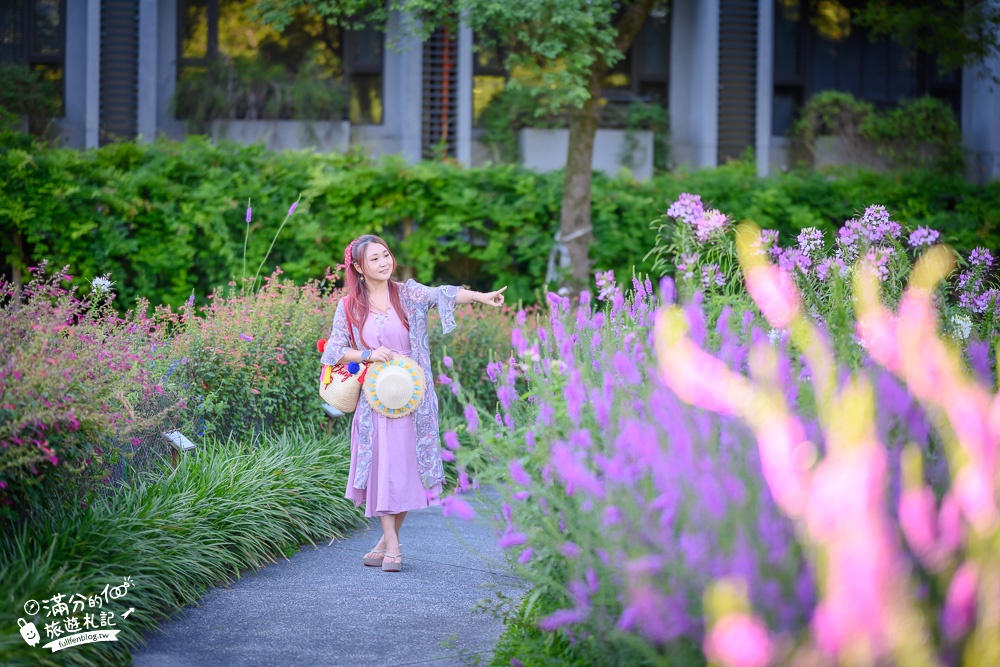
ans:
(350, 329)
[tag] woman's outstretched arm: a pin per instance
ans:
(486, 298)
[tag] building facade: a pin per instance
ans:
(731, 72)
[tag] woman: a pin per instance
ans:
(395, 462)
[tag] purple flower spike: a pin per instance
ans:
(292, 209)
(246, 337)
(249, 214)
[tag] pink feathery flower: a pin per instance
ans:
(711, 222)
(917, 513)
(739, 640)
(877, 333)
(959, 611)
(774, 293)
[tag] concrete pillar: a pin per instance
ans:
(411, 95)
(165, 71)
(981, 120)
(92, 94)
(73, 122)
(694, 82)
(465, 62)
(148, 57)
(765, 84)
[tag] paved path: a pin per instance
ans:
(323, 607)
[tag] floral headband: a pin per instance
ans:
(348, 256)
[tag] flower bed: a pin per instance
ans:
(740, 476)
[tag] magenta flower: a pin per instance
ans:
(574, 473)
(451, 440)
(447, 361)
(518, 474)
(471, 418)
(512, 539)
(457, 507)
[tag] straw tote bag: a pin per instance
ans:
(340, 384)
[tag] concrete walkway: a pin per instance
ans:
(323, 607)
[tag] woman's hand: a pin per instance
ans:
(494, 299)
(381, 354)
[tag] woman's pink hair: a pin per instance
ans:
(357, 289)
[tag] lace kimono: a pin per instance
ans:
(417, 300)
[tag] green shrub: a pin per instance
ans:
(898, 134)
(26, 93)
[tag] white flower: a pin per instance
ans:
(102, 284)
(775, 335)
(962, 325)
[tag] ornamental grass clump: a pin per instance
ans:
(72, 377)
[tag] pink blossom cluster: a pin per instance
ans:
(689, 210)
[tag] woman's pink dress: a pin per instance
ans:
(394, 485)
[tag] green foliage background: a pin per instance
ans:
(167, 219)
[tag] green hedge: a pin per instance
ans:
(168, 218)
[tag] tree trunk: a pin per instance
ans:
(582, 130)
(576, 188)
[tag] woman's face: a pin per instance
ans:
(378, 263)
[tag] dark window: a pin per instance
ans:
(33, 33)
(810, 56)
(644, 71)
(210, 30)
(489, 78)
